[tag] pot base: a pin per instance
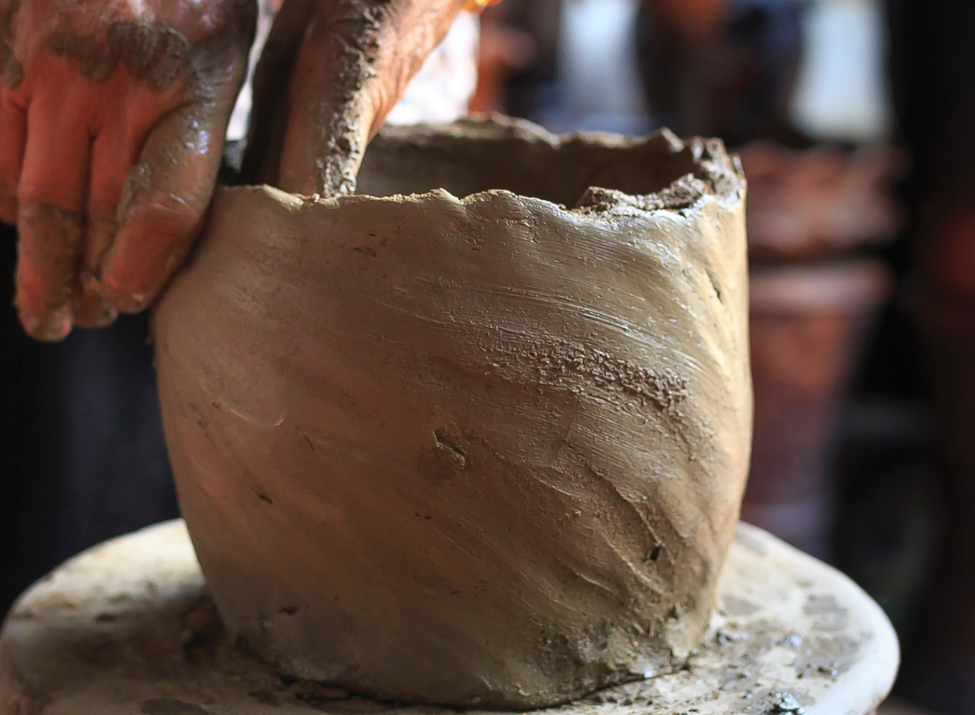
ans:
(128, 628)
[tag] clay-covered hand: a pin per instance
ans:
(112, 122)
(349, 62)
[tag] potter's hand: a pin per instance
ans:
(349, 61)
(112, 118)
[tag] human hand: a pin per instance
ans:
(112, 122)
(349, 62)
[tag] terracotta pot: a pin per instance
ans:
(808, 325)
(474, 451)
(820, 203)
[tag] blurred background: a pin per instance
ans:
(852, 119)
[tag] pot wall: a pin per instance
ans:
(482, 451)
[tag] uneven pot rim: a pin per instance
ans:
(696, 168)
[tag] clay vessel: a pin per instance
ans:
(463, 444)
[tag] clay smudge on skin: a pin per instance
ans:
(171, 56)
(138, 181)
(7, 18)
(46, 211)
(11, 69)
(153, 52)
(156, 53)
(50, 242)
(94, 59)
(60, 230)
(339, 116)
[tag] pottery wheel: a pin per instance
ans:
(127, 628)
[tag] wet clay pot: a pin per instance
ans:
(482, 441)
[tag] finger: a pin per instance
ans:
(331, 116)
(271, 85)
(13, 136)
(345, 82)
(51, 198)
(114, 153)
(163, 204)
(91, 308)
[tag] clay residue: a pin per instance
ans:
(49, 247)
(826, 657)
(11, 69)
(561, 360)
(828, 614)
(744, 647)
(734, 606)
(771, 662)
(203, 634)
(339, 116)
(94, 59)
(156, 53)
(159, 54)
(777, 702)
(338, 122)
(681, 194)
(137, 182)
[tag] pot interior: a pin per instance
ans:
(473, 156)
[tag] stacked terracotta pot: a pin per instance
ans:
(814, 298)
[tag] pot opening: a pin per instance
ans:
(476, 155)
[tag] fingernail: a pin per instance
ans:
(102, 316)
(134, 303)
(54, 328)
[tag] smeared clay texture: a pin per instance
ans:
(485, 450)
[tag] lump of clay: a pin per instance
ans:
(483, 444)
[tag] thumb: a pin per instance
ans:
(353, 61)
(308, 132)
(331, 109)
